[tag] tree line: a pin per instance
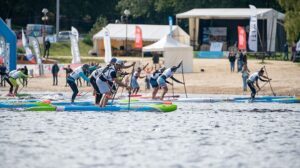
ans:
(84, 13)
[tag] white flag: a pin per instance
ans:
(25, 45)
(36, 49)
(74, 31)
(74, 46)
(252, 40)
(107, 46)
(298, 46)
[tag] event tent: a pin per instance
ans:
(150, 33)
(270, 15)
(173, 52)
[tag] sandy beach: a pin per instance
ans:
(216, 78)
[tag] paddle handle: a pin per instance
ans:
(274, 94)
(183, 80)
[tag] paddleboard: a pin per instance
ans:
(109, 108)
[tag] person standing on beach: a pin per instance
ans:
(78, 72)
(155, 60)
(286, 51)
(232, 59)
(254, 79)
(162, 80)
(68, 70)
(245, 76)
(55, 70)
(3, 74)
(47, 46)
(240, 61)
(25, 80)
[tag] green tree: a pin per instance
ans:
(98, 25)
(292, 18)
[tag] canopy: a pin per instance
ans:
(173, 52)
(268, 14)
(149, 32)
(229, 13)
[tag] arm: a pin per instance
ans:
(145, 66)
(264, 79)
(128, 66)
(176, 80)
(179, 65)
(257, 85)
(81, 74)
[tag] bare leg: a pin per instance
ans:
(165, 90)
(16, 90)
(155, 90)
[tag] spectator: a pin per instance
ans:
(155, 60)
(47, 46)
(244, 57)
(232, 59)
(240, 61)
(68, 70)
(286, 51)
(245, 76)
(25, 80)
(3, 73)
(55, 70)
(148, 72)
(293, 52)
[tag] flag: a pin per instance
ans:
(138, 37)
(36, 49)
(107, 46)
(252, 40)
(28, 53)
(170, 24)
(242, 38)
(74, 46)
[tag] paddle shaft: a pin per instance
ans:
(274, 94)
(129, 92)
(112, 101)
(183, 80)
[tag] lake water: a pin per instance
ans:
(196, 135)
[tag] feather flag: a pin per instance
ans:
(138, 37)
(252, 40)
(74, 46)
(28, 53)
(242, 38)
(107, 46)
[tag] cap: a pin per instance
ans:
(85, 66)
(120, 62)
(113, 60)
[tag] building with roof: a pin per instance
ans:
(220, 24)
(150, 34)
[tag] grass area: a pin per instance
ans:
(64, 49)
(84, 59)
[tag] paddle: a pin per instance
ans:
(274, 94)
(112, 101)
(129, 92)
(183, 80)
(261, 87)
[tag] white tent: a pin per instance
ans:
(173, 52)
(119, 33)
(195, 15)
